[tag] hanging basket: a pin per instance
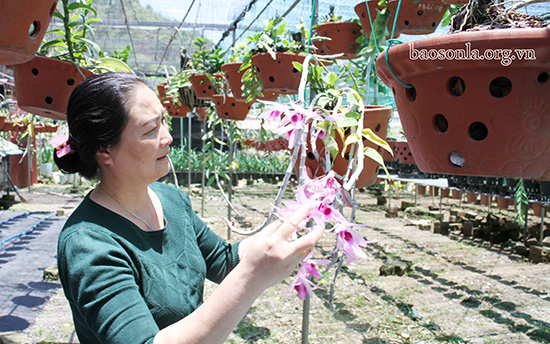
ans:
(234, 75)
(377, 119)
(343, 37)
(23, 24)
(278, 75)
(43, 85)
(417, 17)
(189, 98)
(470, 116)
(229, 108)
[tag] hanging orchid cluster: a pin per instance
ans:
(325, 194)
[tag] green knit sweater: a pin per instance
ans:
(124, 284)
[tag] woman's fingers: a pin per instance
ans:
(291, 222)
(306, 243)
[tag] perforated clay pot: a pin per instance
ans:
(472, 116)
(343, 36)
(229, 108)
(417, 18)
(278, 75)
(23, 24)
(43, 85)
(376, 118)
(234, 75)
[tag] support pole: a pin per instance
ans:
(203, 166)
(189, 150)
(541, 232)
(230, 185)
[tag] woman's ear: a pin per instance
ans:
(103, 156)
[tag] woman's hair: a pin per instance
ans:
(97, 114)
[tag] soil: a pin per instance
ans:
(458, 289)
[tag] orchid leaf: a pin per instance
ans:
(351, 139)
(374, 155)
(372, 137)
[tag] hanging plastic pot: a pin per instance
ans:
(23, 24)
(343, 37)
(475, 112)
(229, 108)
(43, 85)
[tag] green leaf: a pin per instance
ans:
(114, 64)
(78, 5)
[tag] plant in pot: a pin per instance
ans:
(268, 65)
(206, 67)
(43, 84)
(341, 38)
(348, 127)
(475, 102)
(234, 75)
(414, 17)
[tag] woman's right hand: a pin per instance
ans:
(270, 256)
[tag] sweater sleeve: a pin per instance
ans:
(220, 256)
(98, 279)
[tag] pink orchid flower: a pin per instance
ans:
(301, 284)
(350, 242)
(274, 111)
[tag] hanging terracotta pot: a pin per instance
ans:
(202, 86)
(43, 85)
(45, 128)
(228, 108)
(14, 127)
(203, 113)
(376, 118)
(234, 75)
(174, 109)
(343, 37)
(473, 116)
(417, 17)
(278, 75)
(23, 24)
(445, 192)
(373, 9)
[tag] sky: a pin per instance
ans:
(203, 11)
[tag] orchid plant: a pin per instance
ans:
(326, 195)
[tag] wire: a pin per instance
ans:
(129, 34)
(233, 25)
(174, 35)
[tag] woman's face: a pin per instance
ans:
(142, 153)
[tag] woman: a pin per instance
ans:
(133, 256)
